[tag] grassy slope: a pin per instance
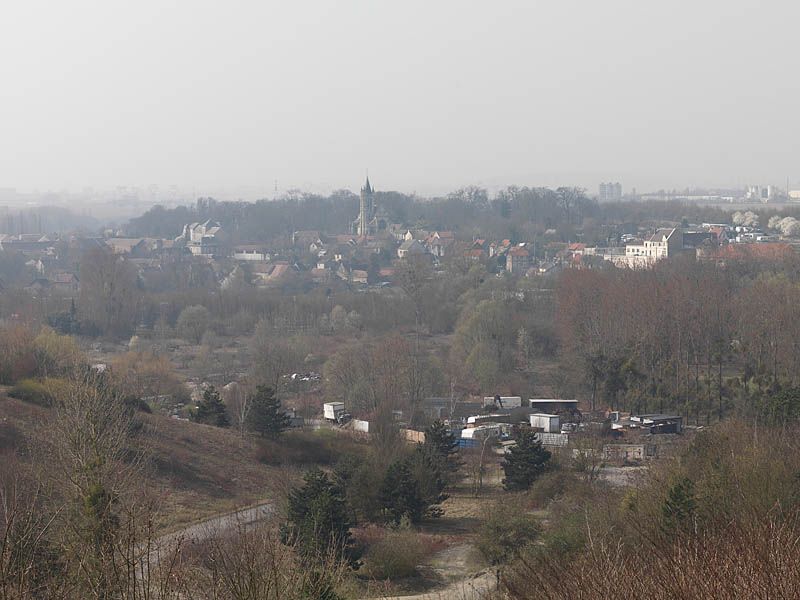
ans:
(196, 470)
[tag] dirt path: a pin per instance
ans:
(452, 566)
(209, 528)
(476, 588)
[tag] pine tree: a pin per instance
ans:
(679, 507)
(443, 445)
(440, 439)
(430, 474)
(399, 494)
(266, 416)
(317, 520)
(524, 462)
(211, 410)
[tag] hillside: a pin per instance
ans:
(196, 470)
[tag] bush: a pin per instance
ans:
(550, 486)
(33, 391)
(307, 448)
(193, 323)
(396, 554)
(503, 536)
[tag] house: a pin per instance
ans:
(135, 247)
(203, 239)
(518, 261)
(499, 248)
(411, 248)
(664, 243)
(65, 282)
(260, 272)
(440, 242)
(250, 252)
(25, 242)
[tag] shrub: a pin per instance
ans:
(307, 448)
(33, 391)
(503, 536)
(396, 554)
(193, 323)
(550, 486)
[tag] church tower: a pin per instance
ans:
(366, 211)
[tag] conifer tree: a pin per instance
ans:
(317, 520)
(266, 416)
(399, 494)
(524, 462)
(443, 445)
(678, 511)
(211, 409)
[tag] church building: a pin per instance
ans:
(370, 219)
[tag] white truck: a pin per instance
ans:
(333, 411)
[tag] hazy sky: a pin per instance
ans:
(429, 95)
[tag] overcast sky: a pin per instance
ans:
(428, 95)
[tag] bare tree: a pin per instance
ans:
(108, 297)
(103, 528)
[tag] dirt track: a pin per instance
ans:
(209, 528)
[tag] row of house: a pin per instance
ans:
(708, 241)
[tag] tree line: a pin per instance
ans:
(699, 338)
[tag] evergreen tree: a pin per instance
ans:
(430, 472)
(211, 410)
(317, 521)
(266, 416)
(443, 444)
(440, 439)
(524, 462)
(679, 507)
(399, 494)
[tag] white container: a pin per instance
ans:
(547, 423)
(332, 410)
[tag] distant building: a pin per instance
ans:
(202, 239)
(411, 248)
(250, 252)
(65, 282)
(440, 242)
(757, 193)
(664, 243)
(518, 261)
(609, 192)
(370, 219)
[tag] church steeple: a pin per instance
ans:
(367, 188)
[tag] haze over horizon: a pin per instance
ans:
(428, 96)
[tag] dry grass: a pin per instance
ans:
(201, 470)
(196, 470)
(746, 560)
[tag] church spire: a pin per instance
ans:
(367, 187)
